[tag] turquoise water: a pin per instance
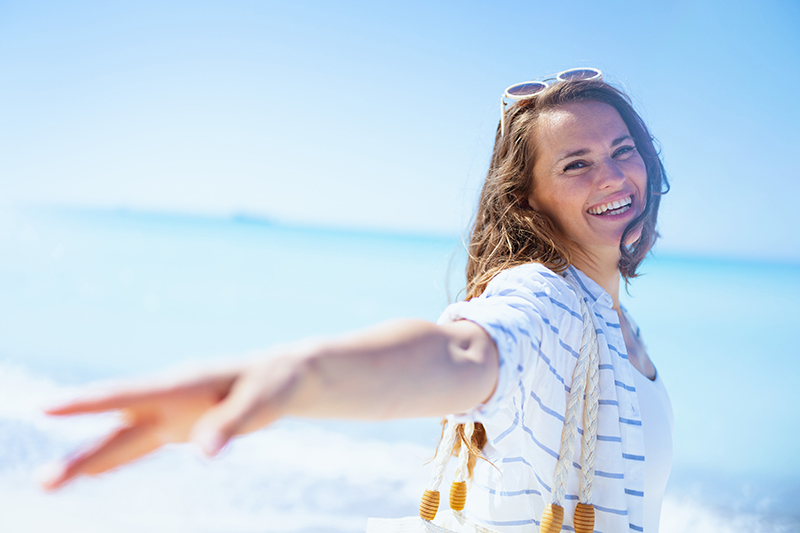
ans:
(95, 294)
(103, 293)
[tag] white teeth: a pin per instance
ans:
(600, 209)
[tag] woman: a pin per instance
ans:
(569, 206)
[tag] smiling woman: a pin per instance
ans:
(574, 186)
(568, 207)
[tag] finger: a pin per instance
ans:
(123, 445)
(133, 394)
(97, 403)
(110, 396)
(247, 408)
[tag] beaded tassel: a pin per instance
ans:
(458, 495)
(552, 519)
(584, 518)
(429, 505)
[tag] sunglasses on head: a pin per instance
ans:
(529, 89)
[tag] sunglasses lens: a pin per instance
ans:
(580, 74)
(529, 88)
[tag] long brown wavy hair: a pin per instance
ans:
(508, 232)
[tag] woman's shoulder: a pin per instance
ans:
(536, 280)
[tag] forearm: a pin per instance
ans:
(400, 369)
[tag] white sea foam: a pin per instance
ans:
(294, 477)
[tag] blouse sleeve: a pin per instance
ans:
(512, 310)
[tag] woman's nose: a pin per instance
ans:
(610, 174)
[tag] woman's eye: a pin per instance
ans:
(575, 165)
(625, 150)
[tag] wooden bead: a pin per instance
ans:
(429, 505)
(552, 519)
(458, 495)
(584, 518)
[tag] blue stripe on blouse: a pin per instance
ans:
(626, 387)
(539, 444)
(547, 274)
(524, 492)
(585, 290)
(542, 483)
(614, 349)
(568, 348)
(516, 460)
(545, 408)
(609, 475)
(550, 325)
(553, 371)
(505, 433)
(573, 497)
(633, 457)
(562, 306)
(507, 331)
(506, 292)
(508, 522)
(621, 512)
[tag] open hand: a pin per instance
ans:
(207, 407)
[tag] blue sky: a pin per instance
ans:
(381, 115)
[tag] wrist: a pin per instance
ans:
(293, 372)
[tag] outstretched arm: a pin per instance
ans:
(401, 369)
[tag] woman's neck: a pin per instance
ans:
(602, 270)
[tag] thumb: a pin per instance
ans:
(232, 416)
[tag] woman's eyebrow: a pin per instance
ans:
(584, 151)
(576, 153)
(621, 139)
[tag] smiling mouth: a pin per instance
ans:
(612, 208)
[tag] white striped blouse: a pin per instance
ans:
(533, 315)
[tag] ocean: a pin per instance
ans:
(88, 295)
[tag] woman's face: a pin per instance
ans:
(588, 176)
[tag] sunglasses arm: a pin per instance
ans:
(502, 115)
